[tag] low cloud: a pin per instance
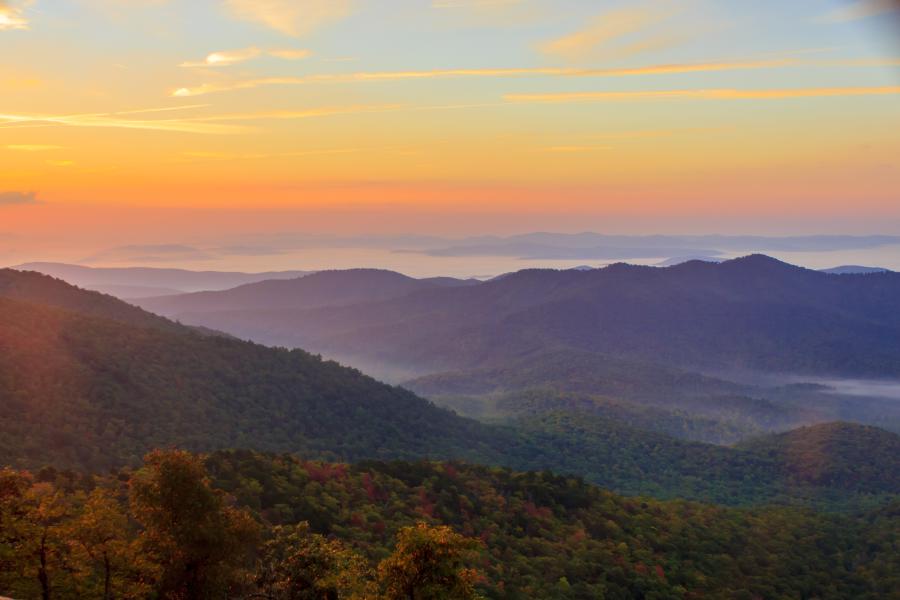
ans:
(153, 253)
(18, 198)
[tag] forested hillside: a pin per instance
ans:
(30, 286)
(396, 531)
(646, 395)
(548, 536)
(87, 392)
(93, 393)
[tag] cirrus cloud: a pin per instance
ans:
(291, 17)
(620, 32)
(704, 94)
(226, 58)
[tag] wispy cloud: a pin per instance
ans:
(226, 58)
(32, 147)
(291, 17)
(212, 155)
(290, 115)
(224, 156)
(12, 14)
(711, 94)
(204, 124)
(861, 9)
(574, 149)
(10, 198)
(614, 28)
(358, 77)
(120, 120)
(289, 53)
(381, 76)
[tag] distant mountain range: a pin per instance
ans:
(614, 342)
(325, 288)
(88, 381)
(749, 313)
(142, 282)
(599, 246)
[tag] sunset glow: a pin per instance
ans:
(613, 111)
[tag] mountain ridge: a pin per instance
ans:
(778, 317)
(82, 390)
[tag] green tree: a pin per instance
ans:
(429, 563)
(202, 546)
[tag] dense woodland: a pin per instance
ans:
(248, 525)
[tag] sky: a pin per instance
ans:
(164, 121)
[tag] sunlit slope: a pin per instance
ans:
(86, 391)
(31, 286)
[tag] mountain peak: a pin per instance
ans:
(760, 263)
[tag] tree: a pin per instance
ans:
(296, 564)
(33, 545)
(13, 487)
(103, 549)
(202, 546)
(429, 563)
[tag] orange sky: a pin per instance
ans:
(130, 118)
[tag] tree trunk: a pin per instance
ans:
(42, 571)
(107, 578)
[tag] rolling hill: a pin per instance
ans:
(633, 335)
(83, 390)
(92, 392)
(141, 282)
(325, 288)
(48, 291)
(750, 313)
